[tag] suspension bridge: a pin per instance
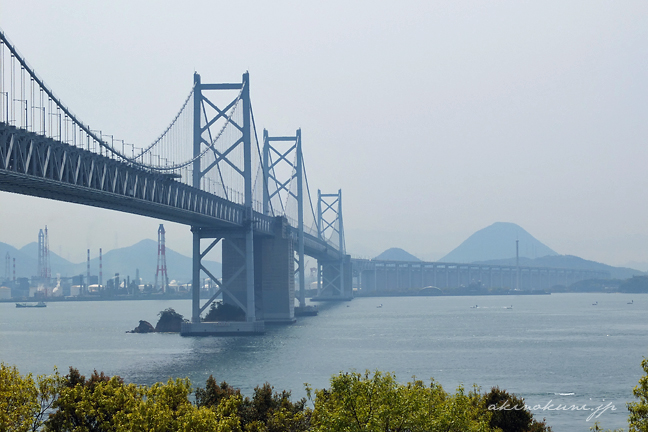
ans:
(207, 170)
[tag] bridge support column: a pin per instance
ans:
(239, 262)
(195, 279)
(277, 275)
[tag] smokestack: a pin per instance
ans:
(517, 262)
(7, 266)
(14, 270)
(100, 269)
(88, 273)
(41, 254)
(48, 270)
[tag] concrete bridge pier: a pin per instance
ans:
(274, 269)
(276, 272)
(272, 279)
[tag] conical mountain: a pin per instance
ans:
(497, 241)
(396, 254)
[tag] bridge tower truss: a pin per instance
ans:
(279, 189)
(332, 278)
(222, 150)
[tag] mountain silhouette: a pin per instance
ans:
(126, 261)
(497, 241)
(396, 254)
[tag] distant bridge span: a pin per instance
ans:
(389, 276)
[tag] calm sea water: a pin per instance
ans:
(559, 348)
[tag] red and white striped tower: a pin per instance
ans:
(100, 269)
(161, 263)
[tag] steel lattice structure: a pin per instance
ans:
(205, 170)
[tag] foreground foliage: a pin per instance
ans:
(353, 402)
(638, 418)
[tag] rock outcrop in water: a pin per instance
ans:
(143, 327)
(169, 322)
(224, 312)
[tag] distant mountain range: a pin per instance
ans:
(126, 261)
(495, 245)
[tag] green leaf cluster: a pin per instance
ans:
(353, 402)
(25, 401)
(638, 419)
(366, 402)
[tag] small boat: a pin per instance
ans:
(509, 307)
(380, 305)
(40, 304)
(595, 303)
(631, 302)
(474, 307)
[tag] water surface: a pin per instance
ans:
(559, 348)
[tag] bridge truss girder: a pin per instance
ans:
(32, 164)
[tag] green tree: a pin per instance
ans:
(509, 413)
(104, 403)
(365, 402)
(272, 411)
(24, 402)
(266, 411)
(213, 393)
(638, 418)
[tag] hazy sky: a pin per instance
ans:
(435, 118)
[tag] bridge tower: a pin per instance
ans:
(334, 277)
(290, 158)
(238, 281)
(161, 275)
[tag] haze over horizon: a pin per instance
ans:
(435, 119)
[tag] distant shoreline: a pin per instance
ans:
(446, 294)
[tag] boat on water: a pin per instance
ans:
(31, 305)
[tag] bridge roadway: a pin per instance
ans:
(31, 164)
(380, 276)
(68, 161)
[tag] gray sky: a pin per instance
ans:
(435, 118)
